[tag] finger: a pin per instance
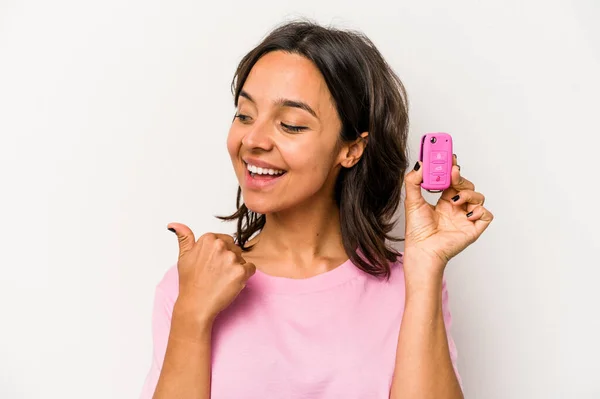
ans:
(250, 269)
(231, 245)
(455, 161)
(230, 242)
(185, 237)
(459, 182)
(468, 197)
(412, 182)
(482, 218)
(456, 184)
(225, 237)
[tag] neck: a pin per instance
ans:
(307, 237)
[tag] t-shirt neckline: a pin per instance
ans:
(322, 281)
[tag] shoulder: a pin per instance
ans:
(396, 276)
(397, 267)
(168, 286)
(399, 260)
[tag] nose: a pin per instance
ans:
(259, 136)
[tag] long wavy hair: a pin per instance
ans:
(369, 97)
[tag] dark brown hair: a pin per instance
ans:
(369, 97)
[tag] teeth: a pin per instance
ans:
(264, 171)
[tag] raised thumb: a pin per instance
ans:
(185, 236)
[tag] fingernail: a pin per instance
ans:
(469, 214)
(417, 166)
(455, 198)
(171, 229)
(454, 155)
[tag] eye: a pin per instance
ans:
(242, 118)
(292, 128)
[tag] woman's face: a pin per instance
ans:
(287, 126)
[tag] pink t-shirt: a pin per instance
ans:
(330, 336)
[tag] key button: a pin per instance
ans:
(438, 156)
(437, 168)
(438, 178)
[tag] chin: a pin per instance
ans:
(260, 203)
(259, 206)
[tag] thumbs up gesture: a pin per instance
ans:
(212, 272)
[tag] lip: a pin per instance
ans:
(257, 184)
(260, 164)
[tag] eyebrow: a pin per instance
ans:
(284, 102)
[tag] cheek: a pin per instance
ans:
(233, 143)
(310, 163)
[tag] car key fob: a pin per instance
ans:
(436, 155)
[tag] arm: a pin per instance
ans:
(210, 273)
(424, 367)
(181, 360)
(187, 364)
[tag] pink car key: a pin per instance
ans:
(436, 155)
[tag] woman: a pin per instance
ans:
(308, 300)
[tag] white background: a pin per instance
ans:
(113, 120)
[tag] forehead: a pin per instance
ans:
(279, 75)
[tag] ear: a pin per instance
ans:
(352, 152)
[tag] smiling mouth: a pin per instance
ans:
(263, 173)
